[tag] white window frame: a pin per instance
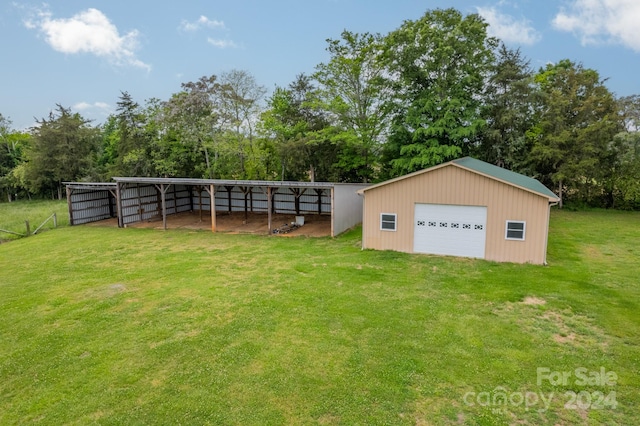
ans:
(524, 230)
(395, 222)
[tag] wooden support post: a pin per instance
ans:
(200, 201)
(26, 222)
(139, 201)
(246, 203)
(55, 220)
(297, 193)
(175, 199)
(212, 195)
(319, 192)
(70, 205)
(163, 195)
(229, 188)
(163, 200)
(269, 206)
(111, 194)
(119, 206)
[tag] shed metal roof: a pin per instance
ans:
(92, 185)
(225, 182)
(489, 170)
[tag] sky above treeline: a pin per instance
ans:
(82, 54)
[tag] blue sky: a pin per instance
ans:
(81, 53)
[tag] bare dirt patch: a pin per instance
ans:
(532, 300)
(562, 326)
(235, 222)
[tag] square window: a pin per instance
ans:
(515, 230)
(388, 221)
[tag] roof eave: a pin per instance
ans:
(551, 199)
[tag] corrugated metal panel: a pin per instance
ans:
(140, 202)
(91, 205)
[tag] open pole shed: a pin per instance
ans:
(137, 199)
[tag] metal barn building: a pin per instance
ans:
(464, 207)
(137, 199)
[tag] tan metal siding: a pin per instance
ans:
(453, 185)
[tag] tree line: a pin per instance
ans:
(432, 90)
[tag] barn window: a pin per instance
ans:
(388, 221)
(515, 230)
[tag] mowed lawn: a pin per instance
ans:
(136, 326)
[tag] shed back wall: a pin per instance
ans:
(455, 186)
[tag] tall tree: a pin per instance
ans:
(62, 148)
(511, 102)
(622, 185)
(438, 67)
(354, 93)
(133, 144)
(239, 109)
(299, 128)
(12, 145)
(193, 118)
(578, 121)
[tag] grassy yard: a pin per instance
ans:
(14, 215)
(136, 326)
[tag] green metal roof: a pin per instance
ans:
(493, 172)
(506, 176)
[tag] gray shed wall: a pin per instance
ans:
(347, 207)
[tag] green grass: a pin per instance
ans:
(13, 216)
(135, 326)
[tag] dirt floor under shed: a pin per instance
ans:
(255, 223)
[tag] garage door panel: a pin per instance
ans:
(450, 230)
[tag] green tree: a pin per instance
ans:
(299, 129)
(511, 102)
(63, 148)
(238, 106)
(578, 121)
(623, 181)
(193, 126)
(355, 96)
(437, 67)
(12, 145)
(133, 143)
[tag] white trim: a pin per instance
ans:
(395, 222)
(506, 230)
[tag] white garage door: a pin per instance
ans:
(450, 230)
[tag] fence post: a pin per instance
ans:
(55, 220)
(26, 222)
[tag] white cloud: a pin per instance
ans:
(86, 106)
(222, 44)
(89, 31)
(97, 110)
(602, 21)
(201, 22)
(507, 28)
